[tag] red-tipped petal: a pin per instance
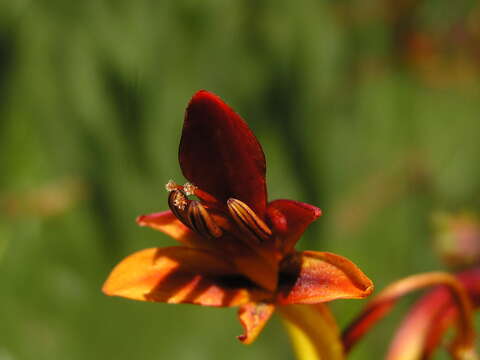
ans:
(219, 153)
(361, 325)
(253, 317)
(312, 277)
(180, 275)
(290, 219)
(168, 223)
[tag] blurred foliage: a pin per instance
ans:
(368, 109)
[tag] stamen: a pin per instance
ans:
(247, 220)
(189, 188)
(171, 185)
(190, 212)
(200, 220)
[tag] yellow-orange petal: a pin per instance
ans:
(253, 317)
(312, 277)
(168, 223)
(313, 331)
(180, 275)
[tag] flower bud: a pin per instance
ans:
(457, 239)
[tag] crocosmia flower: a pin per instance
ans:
(236, 248)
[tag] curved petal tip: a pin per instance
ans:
(253, 317)
(312, 277)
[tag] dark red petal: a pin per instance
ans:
(290, 219)
(312, 277)
(219, 153)
(253, 317)
(180, 275)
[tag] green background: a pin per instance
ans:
(368, 109)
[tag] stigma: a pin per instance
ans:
(187, 188)
(171, 185)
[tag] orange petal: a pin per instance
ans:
(312, 277)
(253, 263)
(180, 275)
(253, 317)
(313, 331)
(168, 223)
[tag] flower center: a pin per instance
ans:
(197, 217)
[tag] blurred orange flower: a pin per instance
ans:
(426, 323)
(450, 302)
(236, 249)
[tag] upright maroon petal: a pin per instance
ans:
(219, 153)
(290, 219)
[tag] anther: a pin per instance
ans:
(200, 220)
(177, 202)
(171, 185)
(189, 188)
(247, 220)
